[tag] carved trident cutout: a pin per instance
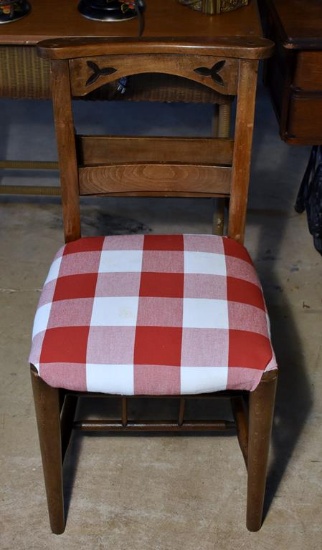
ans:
(213, 72)
(97, 72)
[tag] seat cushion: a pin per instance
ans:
(152, 315)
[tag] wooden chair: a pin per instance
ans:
(152, 315)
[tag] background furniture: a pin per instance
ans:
(294, 73)
(24, 75)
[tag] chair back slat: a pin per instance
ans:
(95, 150)
(149, 179)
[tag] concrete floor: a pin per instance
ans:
(167, 493)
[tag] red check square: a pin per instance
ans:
(233, 248)
(244, 292)
(163, 242)
(65, 345)
(75, 286)
(85, 244)
(158, 346)
(163, 285)
(248, 349)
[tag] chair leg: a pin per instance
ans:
(261, 410)
(47, 406)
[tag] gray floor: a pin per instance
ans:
(166, 493)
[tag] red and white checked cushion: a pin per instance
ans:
(152, 315)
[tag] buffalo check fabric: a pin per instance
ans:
(152, 315)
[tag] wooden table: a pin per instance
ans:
(168, 18)
(169, 26)
(27, 76)
(294, 73)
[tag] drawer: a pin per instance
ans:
(308, 71)
(304, 120)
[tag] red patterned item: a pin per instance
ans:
(152, 315)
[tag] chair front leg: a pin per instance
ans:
(47, 406)
(261, 411)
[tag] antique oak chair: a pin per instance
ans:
(134, 316)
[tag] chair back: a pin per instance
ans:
(108, 165)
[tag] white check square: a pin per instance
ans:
(204, 263)
(205, 313)
(115, 311)
(41, 319)
(115, 379)
(54, 270)
(203, 379)
(115, 261)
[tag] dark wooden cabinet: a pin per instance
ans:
(294, 73)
